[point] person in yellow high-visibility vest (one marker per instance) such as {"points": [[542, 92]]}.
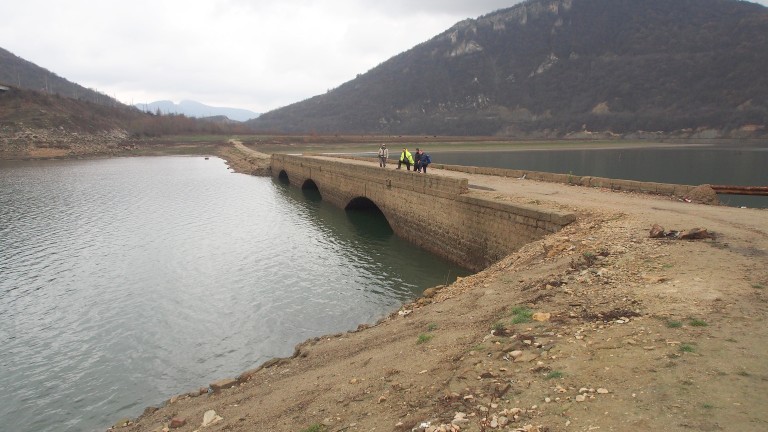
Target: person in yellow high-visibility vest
{"points": [[405, 158]]}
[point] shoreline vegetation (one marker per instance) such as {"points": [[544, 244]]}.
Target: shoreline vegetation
{"points": [[596, 326]]}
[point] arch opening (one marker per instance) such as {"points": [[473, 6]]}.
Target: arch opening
{"points": [[363, 204], [283, 177], [368, 217], [310, 190]]}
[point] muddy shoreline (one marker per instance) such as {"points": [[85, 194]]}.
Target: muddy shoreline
{"points": [[597, 326]]}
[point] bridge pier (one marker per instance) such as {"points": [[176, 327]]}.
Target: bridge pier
{"points": [[439, 214]]}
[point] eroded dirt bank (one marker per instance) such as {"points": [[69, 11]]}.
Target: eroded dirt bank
{"points": [[245, 160], [595, 328]]}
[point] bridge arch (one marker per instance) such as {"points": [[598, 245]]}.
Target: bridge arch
{"points": [[465, 227], [364, 205], [311, 191], [283, 177], [309, 184]]}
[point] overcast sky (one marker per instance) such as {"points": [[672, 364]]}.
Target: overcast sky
{"points": [[252, 54]]}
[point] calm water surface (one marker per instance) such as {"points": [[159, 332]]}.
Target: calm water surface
{"points": [[125, 281]]}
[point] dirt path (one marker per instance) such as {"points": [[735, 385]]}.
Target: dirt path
{"points": [[595, 328], [244, 159]]}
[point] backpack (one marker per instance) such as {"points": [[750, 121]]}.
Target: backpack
{"points": [[425, 159]]}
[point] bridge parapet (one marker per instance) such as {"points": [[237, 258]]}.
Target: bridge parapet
{"points": [[437, 213]]}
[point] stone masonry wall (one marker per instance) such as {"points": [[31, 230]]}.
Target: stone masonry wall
{"points": [[667, 189], [436, 213]]}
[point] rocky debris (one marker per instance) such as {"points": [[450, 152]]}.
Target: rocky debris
{"points": [[27, 142], [123, 422], [222, 384], [609, 311], [694, 234], [657, 231], [210, 417], [703, 194], [177, 422]]}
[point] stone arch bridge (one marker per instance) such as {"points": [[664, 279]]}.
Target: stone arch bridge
{"points": [[437, 213]]}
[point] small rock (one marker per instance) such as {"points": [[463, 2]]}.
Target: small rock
{"points": [[353, 381], [657, 231], [226, 383], [177, 422], [541, 316], [430, 292], [694, 234], [382, 399], [526, 357], [210, 417], [655, 279], [602, 391], [124, 422], [581, 398]]}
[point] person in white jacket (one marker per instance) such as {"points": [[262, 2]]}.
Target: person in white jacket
{"points": [[383, 155]]}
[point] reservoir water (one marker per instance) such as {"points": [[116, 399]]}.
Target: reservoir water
{"points": [[742, 164], [126, 281]]}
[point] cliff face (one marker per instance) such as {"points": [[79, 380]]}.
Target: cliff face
{"points": [[556, 67]]}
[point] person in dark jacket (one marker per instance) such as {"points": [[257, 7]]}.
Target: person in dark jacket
{"points": [[424, 162], [416, 159]]}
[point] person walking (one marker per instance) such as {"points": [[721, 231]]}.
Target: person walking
{"points": [[416, 159], [383, 156], [405, 158], [424, 162]]}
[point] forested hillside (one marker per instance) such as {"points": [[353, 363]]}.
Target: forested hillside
{"points": [[560, 67]]}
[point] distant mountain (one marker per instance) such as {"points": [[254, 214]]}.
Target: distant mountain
{"points": [[197, 109], [563, 67], [22, 74]]}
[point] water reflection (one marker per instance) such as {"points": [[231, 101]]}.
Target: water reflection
{"points": [[125, 281]]}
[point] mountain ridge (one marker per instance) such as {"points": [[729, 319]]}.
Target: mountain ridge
{"points": [[23, 74], [560, 67], [192, 108]]}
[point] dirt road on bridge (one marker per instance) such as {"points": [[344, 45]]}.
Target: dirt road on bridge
{"points": [[596, 328]]}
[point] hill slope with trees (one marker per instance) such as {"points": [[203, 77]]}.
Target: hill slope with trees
{"points": [[22, 74], [563, 67]]}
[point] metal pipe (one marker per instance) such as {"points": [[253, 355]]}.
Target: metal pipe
{"points": [[741, 190]]}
